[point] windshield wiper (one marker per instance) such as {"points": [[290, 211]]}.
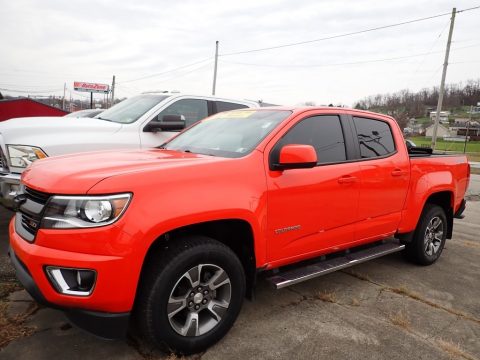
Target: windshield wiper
{"points": [[100, 118]]}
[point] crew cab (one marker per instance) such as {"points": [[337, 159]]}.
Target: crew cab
{"points": [[173, 238], [141, 121]]}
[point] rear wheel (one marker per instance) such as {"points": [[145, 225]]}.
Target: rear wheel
{"points": [[430, 236], [191, 295]]}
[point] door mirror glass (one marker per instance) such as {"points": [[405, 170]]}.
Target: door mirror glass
{"points": [[296, 157]]}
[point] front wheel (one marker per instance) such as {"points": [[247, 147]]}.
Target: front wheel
{"points": [[191, 295], [429, 237]]}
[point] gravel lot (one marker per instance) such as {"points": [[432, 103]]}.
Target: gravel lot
{"points": [[384, 309]]}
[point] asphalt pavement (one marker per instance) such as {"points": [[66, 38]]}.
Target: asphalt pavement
{"points": [[383, 309]]}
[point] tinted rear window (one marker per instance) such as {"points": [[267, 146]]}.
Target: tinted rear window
{"points": [[375, 137]]}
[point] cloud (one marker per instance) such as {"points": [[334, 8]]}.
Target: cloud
{"points": [[45, 44]]}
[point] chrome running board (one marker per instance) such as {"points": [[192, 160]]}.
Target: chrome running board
{"points": [[322, 267]]}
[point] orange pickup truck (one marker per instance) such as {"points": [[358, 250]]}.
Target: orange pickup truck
{"points": [[173, 238]]}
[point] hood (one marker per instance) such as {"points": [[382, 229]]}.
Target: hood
{"points": [[76, 174], [38, 131]]}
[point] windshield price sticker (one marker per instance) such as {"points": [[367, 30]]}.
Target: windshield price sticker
{"points": [[237, 114]]}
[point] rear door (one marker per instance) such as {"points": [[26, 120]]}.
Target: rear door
{"points": [[385, 171], [310, 210]]}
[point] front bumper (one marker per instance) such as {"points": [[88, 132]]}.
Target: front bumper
{"points": [[102, 324], [9, 185], [110, 251]]}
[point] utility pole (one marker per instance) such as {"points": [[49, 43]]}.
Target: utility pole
{"points": [[63, 101], [468, 128], [113, 91], [442, 83], [215, 68]]}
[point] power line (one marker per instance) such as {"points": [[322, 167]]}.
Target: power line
{"points": [[345, 63], [430, 51], [32, 91], [346, 34], [188, 72], [166, 72], [463, 62], [122, 84]]}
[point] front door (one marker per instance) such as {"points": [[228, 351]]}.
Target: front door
{"points": [[192, 110], [311, 210]]}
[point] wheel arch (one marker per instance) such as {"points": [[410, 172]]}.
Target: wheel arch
{"points": [[445, 200], [442, 198], [237, 234]]}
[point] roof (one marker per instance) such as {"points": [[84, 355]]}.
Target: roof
{"points": [[439, 125], [212, 97], [301, 109], [30, 99]]}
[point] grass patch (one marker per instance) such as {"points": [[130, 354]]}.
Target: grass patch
{"points": [[12, 329], [325, 296], [442, 145], [469, 243], [403, 290], [8, 287], [400, 319], [454, 349], [174, 357]]}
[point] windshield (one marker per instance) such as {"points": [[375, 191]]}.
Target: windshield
{"points": [[130, 110], [229, 134]]}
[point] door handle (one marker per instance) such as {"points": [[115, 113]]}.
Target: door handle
{"points": [[398, 172], [347, 179]]}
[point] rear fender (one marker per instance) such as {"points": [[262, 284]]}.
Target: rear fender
{"points": [[426, 189]]}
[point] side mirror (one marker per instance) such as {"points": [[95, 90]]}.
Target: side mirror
{"points": [[296, 157], [166, 123]]}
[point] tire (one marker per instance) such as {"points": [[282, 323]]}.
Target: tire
{"points": [[429, 237], [209, 276]]}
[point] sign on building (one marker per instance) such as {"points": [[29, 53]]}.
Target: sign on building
{"points": [[91, 87]]}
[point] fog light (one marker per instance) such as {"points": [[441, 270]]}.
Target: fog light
{"points": [[78, 282]]}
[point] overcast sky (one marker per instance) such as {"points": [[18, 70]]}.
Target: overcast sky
{"points": [[49, 42]]}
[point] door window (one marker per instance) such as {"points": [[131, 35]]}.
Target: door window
{"points": [[375, 137], [192, 109], [324, 133]]}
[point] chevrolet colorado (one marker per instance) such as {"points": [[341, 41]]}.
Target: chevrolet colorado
{"points": [[172, 239]]}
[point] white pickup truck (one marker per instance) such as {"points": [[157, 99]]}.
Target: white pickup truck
{"points": [[141, 121]]}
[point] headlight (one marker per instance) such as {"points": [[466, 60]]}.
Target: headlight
{"points": [[22, 155], [66, 212]]}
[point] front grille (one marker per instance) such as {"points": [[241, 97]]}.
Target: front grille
{"points": [[29, 214], [3, 161], [30, 223], [37, 196]]}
